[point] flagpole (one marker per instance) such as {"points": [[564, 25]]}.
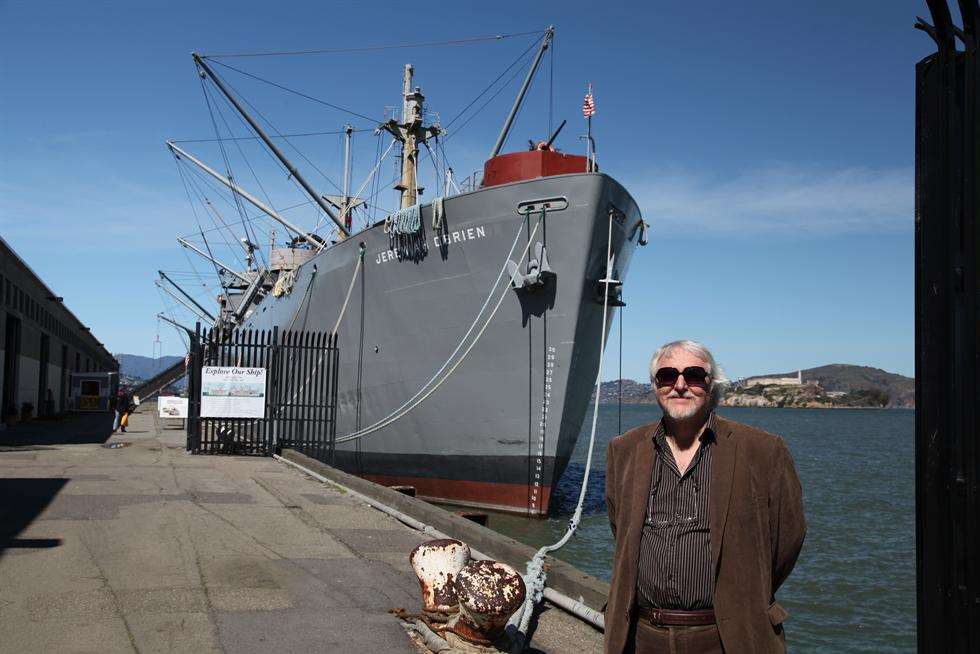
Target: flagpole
{"points": [[589, 132], [588, 108], [589, 119]]}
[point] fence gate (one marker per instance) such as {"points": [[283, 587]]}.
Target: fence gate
{"points": [[296, 407]]}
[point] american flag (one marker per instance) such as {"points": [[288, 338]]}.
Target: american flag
{"points": [[588, 105]]}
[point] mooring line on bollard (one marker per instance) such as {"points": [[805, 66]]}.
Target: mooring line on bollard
{"points": [[536, 575], [559, 599]]}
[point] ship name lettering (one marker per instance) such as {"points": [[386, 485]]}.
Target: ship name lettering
{"points": [[455, 236], [459, 235]]}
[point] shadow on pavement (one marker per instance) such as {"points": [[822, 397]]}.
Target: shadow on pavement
{"points": [[24, 499], [75, 429]]}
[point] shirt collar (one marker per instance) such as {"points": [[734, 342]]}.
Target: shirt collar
{"points": [[709, 435]]}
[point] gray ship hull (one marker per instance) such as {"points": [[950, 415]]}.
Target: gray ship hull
{"points": [[498, 433]]}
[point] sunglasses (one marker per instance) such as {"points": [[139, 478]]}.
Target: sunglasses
{"points": [[693, 375]]}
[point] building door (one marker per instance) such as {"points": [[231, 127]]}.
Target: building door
{"points": [[42, 378], [11, 347], [63, 393]]}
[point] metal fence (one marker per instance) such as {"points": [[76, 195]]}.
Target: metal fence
{"points": [[300, 394]]}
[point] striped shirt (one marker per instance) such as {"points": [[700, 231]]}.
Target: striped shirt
{"points": [[675, 550]]}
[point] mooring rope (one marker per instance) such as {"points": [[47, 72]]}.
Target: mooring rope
{"points": [[424, 392], [350, 287], [536, 575], [343, 311]]}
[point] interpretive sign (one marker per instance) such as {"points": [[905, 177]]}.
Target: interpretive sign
{"points": [[232, 392], [172, 407]]}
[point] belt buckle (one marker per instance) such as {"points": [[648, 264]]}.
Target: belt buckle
{"points": [[655, 615]]}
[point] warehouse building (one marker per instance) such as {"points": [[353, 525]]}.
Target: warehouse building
{"points": [[43, 342]]}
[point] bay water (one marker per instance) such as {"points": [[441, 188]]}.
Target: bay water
{"points": [[853, 588]]}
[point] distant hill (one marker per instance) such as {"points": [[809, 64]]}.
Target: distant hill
{"points": [[139, 367], [633, 392], [860, 386], [845, 378]]}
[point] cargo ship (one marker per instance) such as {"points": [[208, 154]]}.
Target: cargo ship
{"points": [[469, 326]]}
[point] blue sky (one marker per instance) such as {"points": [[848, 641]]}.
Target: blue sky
{"points": [[770, 145]]}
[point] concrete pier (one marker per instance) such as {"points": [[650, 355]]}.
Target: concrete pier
{"points": [[146, 548]]}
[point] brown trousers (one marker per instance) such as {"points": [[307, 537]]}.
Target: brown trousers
{"points": [[676, 640]]}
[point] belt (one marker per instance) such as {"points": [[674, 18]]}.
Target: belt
{"points": [[669, 618]]}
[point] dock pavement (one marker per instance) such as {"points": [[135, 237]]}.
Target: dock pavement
{"points": [[127, 543]]}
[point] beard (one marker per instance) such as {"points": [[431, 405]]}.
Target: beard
{"points": [[681, 412]]}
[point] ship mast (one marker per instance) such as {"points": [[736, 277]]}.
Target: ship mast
{"points": [[411, 132], [345, 204]]}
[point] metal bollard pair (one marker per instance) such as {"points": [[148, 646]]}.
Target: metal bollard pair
{"points": [[469, 598]]}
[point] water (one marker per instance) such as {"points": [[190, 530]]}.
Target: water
{"points": [[853, 588]]}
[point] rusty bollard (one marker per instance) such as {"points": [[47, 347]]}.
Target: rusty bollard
{"points": [[436, 564], [489, 592]]}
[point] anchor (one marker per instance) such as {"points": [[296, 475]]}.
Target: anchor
{"points": [[538, 271]]}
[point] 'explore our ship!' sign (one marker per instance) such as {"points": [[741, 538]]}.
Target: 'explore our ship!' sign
{"points": [[232, 392]]}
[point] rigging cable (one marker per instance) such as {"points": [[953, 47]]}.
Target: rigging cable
{"points": [[248, 163], [258, 215], [280, 134], [256, 138], [295, 92], [196, 277], [274, 159], [212, 213], [489, 100], [370, 48], [551, 88], [369, 208], [224, 153], [366, 180], [220, 192], [169, 310], [183, 179], [490, 85]]}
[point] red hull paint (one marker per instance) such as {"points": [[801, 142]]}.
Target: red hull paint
{"points": [[512, 498]]}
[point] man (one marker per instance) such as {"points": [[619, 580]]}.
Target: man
{"points": [[707, 515]]}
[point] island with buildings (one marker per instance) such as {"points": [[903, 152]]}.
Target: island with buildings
{"points": [[826, 387]]}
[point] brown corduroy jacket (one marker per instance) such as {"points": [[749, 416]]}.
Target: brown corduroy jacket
{"points": [[756, 526]]}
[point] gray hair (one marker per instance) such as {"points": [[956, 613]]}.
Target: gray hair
{"points": [[718, 379]]}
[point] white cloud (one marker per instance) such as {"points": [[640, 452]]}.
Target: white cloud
{"points": [[783, 200]]}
